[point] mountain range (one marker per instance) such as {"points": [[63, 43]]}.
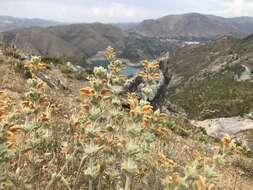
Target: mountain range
{"points": [[195, 26], [11, 23], [135, 41], [76, 41]]}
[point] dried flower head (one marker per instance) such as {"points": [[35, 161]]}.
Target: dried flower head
{"points": [[200, 182], [146, 109], [132, 100], [87, 91], [12, 135], [226, 140], [165, 161], [110, 53]]}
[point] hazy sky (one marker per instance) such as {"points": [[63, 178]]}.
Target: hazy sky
{"points": [[120, 10]]}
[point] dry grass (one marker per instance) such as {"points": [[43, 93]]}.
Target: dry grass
{"points": [[55, 154]]}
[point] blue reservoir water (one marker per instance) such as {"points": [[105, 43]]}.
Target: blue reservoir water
{"points": [[128, 70]]}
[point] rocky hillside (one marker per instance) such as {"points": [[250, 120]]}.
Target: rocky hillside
{"points": [[195, 26], [76, 41], [213, 80], [11, 23], [135, 41], [80, 41], [64, 132]]}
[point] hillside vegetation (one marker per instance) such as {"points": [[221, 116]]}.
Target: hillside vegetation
{"points": [[213, 80], [99, 138]]}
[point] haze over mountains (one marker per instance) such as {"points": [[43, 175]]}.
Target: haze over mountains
{"points": [[135, 41], [11, 23]]}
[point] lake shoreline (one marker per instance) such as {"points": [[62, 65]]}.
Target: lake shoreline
{"points": [[124, 61], [129, 68]]}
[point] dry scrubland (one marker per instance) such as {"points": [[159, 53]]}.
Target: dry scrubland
{"points": [[103, 139]]}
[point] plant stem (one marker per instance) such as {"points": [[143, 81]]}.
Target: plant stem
{"points": [[51, 182], [90, 179], [79, 171], [65, 182], [99, 183], [128, 183], [90, 184]]}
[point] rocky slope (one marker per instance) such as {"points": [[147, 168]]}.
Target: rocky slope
{"points": [[213, 80], [182, 140], [239, 128]]}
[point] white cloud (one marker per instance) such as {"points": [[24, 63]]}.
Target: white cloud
{"points": [[239, 8], [117, 12], [120, 10], [114, 10], [75, 12]]}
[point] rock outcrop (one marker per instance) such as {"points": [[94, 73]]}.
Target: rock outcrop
{"points": [[239, 128], [159, 90]]}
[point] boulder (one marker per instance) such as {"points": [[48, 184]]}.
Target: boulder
{"points": [[240, 128]]}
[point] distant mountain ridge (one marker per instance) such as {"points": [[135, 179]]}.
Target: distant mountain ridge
{"points": [[135, 41], [11, 23], [75, 41], [195, 25]]}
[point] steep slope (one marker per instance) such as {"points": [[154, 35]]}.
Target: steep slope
{"points": [[57, 131], [90, 38], [213, 80], [194, 25], [76, 42], [11, 23], [41, 42], [244, 23], [80, 41]]}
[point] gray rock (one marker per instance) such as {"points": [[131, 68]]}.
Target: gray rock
{"points": [[236, 127], [158, 93], [52, 82]]}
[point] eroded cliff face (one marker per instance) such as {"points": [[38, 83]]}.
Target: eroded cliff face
{"points": [[158, 95]]}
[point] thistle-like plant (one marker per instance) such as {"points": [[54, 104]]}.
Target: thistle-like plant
{"points": [[103, 146]]}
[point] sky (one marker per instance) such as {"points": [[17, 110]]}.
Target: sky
{"points": [[120, 10]]}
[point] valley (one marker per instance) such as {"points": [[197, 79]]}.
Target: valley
{"points": [[78, 42]]}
